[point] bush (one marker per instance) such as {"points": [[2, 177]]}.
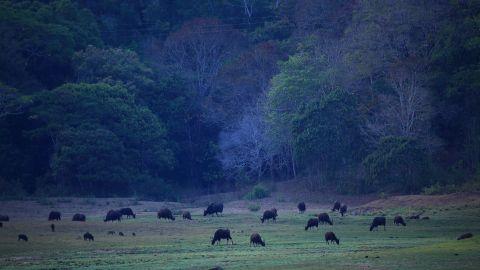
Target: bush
{"points": [[254, 207], [437, 189], [258, 192]]}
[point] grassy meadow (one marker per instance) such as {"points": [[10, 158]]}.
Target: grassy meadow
{"points": [[160, 244]]}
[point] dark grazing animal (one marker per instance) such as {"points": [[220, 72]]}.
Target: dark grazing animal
{"points": [[54, 215], [399, 220], [88, 236], [324, 218], [465, 236], [274, 210], [22, 237], [127, 212], [330, 237], [255, 239], [165, 213], [425, 218], [1, 224], [417, 216], [187, 215], [113, 215], [133, 234], [111, 232], [301, 207], [378, 221], [221, 234], [269, 214], [213, 208], [336, 206], [313, 222], [343, 209], [4, 218], [79, 217], [121, 234], [52, 227]]}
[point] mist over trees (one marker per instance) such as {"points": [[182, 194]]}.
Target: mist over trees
{"points": [[154, 98]]}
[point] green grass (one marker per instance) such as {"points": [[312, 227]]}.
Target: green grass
{"points": [[423, 244]]}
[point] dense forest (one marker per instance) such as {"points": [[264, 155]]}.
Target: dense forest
{"points": [[151, 98]]}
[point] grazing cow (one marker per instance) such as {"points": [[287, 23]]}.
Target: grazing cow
{"points": [[255, 239], [336, 206], [1, 224], [79, 217], [133, 234], [301, 207], [213, 208], [88, 236], [127, 212], [378, 221], [113, 215], [54, 215], [465, 236], [324, 218], [330, 237], [343, 209], [187, 215], [313, 222], [165, 213], [269, 214], [4, 218], [52, 227], [399, 220], [111, 232], [121, 234], [22, 237], [221, 234]]}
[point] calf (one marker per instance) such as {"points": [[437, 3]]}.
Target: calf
{"points": [[343, 209], [269, 214], [378, 221], [324, 218], [313, 222], [330, 237], [221, 234], [54, 215], [465, 236], [301, 207], [111, 232], [88, 236], [187, 215], [165, 213], [255, 239], [399, 220], [22, 237]]}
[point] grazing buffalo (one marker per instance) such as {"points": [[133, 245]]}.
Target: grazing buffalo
{"points": [[165, 213], [111, 232], [313, 222], [378, 221], [79, 217], [255, 239], [336, 206], [465, 236], [127, 212], [54, 215], [186, 215], [343, 210], [221, 234], [133, 234], [301, 207], [324, 218], [22, 237], [269, 214], [274, 210], [330, 237], [425, 218], [121, 234], [113, 215], [88, 236], [417, 216], [399, 220], [4, 218], [1, 224], [213, 208], [52, 227]]}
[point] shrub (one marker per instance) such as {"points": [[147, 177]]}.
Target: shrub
{"points": [[258, 192], [254, 207]]}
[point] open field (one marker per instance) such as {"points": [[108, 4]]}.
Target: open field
{"points": [[160, 244]]}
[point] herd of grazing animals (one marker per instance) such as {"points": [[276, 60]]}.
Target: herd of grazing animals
{"points": [[216, 208]]}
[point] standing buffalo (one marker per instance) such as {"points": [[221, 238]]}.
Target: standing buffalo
{"points": [[4, 218], [186, 215], [165, 213], [269, 214], [255, 239], [22, 237], [301, 207], [54, 215], [221, 234], [378, 221], [313, 222], [88, 236], [79, 217], [113, 215], [336, 206], [324, 218], [399, 220], [213, 208], [330, 237], [343, 209], [127, 212]]}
